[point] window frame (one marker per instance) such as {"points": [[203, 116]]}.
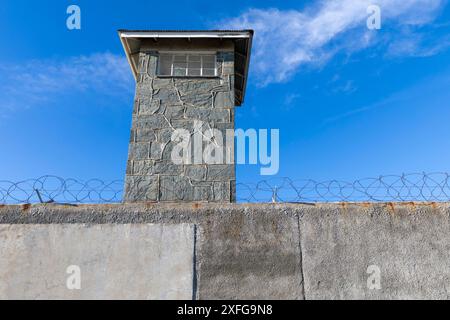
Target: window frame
{"points": [[187, 54]]}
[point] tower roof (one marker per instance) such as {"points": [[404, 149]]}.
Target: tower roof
{"points": [[131, 41]]}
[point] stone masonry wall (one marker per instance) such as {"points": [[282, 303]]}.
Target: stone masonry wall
{"points": [[163, 104]]}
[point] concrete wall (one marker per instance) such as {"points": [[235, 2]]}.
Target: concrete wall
{"points": [[113, 261], [199, 105], [266, 251]]}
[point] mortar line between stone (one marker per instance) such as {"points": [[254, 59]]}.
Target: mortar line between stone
{"points": [[194, 266], [301, 258]]}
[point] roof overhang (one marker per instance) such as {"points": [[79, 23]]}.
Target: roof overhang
{"points": [[131, 40]]}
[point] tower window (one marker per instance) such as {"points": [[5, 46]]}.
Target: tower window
{"points": [[187, 65]]}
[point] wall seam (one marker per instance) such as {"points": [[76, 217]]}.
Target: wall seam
{"points": [[194, 265], [302, 281]]}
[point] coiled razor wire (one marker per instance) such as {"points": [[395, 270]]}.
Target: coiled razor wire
{"points": [[48, 189], [430, 187]]}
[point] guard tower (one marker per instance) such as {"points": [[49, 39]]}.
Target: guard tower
{"points": [[182, 133]]}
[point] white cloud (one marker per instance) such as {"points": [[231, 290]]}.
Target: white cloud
{"points": [[415, 45], [42, 81], [286, 40], [423, 94], [348, 87]]}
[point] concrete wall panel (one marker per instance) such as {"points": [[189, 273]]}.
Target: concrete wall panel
{"points": [[408, 245], [249, 256], [122, 261]]}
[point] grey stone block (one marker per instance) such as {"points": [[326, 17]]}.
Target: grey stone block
{"points": [[162, 83], [141, 188], [167, 152], [138, 151], [224, 100], [211, 115], [219, 115], [220, 172], [198, 85], [223, 126], [150, 106], [222, 191], [164, 135], [187, 124], [155, 121], [145, 135], [156, 150], [174, 112], [198, 99], [198, 113], [203, 193], [142, 167], [176, 188], [196, 172], [165, 167], [168, 97]]}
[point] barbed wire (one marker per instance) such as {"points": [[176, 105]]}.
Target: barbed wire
{"points": [[48, 189], [431, 187]]}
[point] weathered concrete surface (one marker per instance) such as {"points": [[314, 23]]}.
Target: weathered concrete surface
{"points": [[410, 245], [266, 250], [250, 256], [139, 261]]}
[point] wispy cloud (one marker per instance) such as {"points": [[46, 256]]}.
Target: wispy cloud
{"points": [[37, 82], [290, 98], [421, 93], [417, 45], [347, 88], [287, 40]]}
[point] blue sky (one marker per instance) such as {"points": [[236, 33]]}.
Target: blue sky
{"points": [[349, 102]]}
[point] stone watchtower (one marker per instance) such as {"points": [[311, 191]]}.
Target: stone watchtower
{"points": [[182, 140]]}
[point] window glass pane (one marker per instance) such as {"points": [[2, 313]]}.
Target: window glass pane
{"points": [[187, 64], [194, 72], [179, 65], [209, 65], [209, 72], [165, 63], [195, 65], [179, 71], [209, 58]]}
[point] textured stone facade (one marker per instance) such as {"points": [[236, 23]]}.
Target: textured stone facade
{"points": [[164, 104]]}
